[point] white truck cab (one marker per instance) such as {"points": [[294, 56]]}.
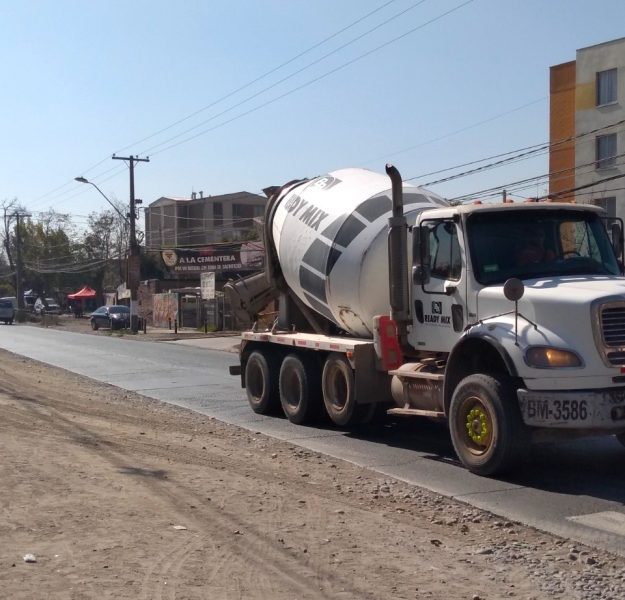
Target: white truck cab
{"points": [[556, 335]]}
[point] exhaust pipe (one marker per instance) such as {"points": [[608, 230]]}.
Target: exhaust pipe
{"points": [[397, 257]]}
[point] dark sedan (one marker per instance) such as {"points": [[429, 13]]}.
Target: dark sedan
{"points": [[113, 317]]}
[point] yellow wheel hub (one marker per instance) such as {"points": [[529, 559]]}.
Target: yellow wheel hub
{"points": [[478, 426]]}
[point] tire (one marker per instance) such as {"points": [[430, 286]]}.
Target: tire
{"points": [[300, 395], [339, 399], [94, 326], [621, 438], [486, 426], [261, 383]]}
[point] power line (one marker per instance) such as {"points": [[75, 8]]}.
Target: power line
{"points": [[229, 94], [457, 131], [497, 189], [270, 72], [309, 82], [287, 77], [567, 193], [524, 152], [306, 84]]}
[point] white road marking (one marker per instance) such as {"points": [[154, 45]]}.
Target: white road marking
{"points": [[610, 521]]}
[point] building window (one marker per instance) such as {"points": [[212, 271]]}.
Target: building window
{"points": [[606, 151], [606, 87], [218, 214], [445, 252], [242, 215], [608, 204]]}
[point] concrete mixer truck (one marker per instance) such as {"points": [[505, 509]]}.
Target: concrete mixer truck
{"points": [[506, 321]]}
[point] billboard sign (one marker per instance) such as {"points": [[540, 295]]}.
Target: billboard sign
{"points": [[247, 256]]}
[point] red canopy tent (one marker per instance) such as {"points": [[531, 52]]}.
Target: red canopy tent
{"points": [[86, 292], [78, 299]]}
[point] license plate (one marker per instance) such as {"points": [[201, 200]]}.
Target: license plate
{"points": [[556, 411]]}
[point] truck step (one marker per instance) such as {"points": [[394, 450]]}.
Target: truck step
{"points": [[417, 375], [416, 412]]}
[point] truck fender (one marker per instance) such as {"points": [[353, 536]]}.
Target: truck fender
{"points": [[476, 352]]}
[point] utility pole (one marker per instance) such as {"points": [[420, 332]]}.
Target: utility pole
{"points": [[134, 258], [18, 263]]}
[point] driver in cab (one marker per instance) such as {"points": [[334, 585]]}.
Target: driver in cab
{"points": [[532, 248]]}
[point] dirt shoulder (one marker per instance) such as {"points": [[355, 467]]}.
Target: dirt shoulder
{"points": [[118, 496]]}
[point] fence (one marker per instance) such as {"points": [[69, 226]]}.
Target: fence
{"points": [[218, 313], [191, 311]]}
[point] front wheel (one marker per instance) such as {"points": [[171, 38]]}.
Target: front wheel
{"points": [[486, 426], [299, 389]]}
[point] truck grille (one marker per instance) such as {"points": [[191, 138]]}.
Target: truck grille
{"points": [[616, 358], [613, 326], [609, 330]]}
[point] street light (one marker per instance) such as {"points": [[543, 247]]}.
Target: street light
{"points": [[132, 258], [84, 180]]}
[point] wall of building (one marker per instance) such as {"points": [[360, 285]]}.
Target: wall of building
{"points": [[562, 127], [589, 116], [200, 221]]}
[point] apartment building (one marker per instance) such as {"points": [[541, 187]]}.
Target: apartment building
{"points": [[201, 220], [587, 127]]}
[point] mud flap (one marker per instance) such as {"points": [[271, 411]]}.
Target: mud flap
{"points": [[372, 385]]}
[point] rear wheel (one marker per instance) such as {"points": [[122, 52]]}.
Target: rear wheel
{"points": [[486, 426], [337, 383], [94, 325], [261, 383], [299, 389]]}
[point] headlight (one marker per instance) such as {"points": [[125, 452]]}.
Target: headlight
{"points": [[544, 357]]}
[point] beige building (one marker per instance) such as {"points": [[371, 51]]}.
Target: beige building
{"points": [[587, 127], [199, 220]]}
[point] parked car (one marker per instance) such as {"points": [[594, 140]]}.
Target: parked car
{"points": [[113, 317], [7, 311], [50, 306]]}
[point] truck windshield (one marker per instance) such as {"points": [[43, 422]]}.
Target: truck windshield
{"points": [[543, 243]]}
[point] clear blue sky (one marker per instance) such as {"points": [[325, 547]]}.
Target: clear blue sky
{"points": [[82, 80]]}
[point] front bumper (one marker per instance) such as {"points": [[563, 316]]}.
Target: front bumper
{"points": [[602, 409]]}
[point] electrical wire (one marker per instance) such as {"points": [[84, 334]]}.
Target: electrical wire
{"points": [[273, 70], [499, 188], [76, 268], [286, 78], [307, 83], [456, 132], [229, 94], [521, 154]]}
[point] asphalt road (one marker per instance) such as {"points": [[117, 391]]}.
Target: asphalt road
{"points": [[576, 490]]}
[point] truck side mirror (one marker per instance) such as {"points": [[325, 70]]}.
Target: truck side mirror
{"points": [[420, 274], [617, 240], [421, 254], [424, 245]]}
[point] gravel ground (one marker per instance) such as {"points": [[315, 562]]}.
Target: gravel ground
{"points": [[118, 496]]}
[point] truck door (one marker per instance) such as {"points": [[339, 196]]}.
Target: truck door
{"points": [[438, 285]]}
